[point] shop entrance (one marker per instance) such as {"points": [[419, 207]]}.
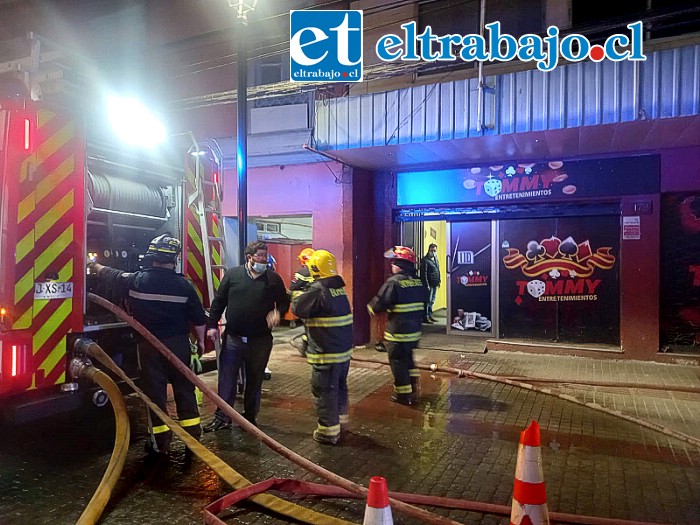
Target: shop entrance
{"points": [[544, 279], [470, 284], [550, 279]]}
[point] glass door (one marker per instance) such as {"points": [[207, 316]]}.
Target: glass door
{"points": [[470, 278]]}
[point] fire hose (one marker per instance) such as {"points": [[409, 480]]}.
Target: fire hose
{"points": [[227, 473], [335, 479], [98, 502], [254, 492], [459, 372]]}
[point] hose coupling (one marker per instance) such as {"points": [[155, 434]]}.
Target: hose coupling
{"points": [[78, 366], [81, 345], [80, 361]]}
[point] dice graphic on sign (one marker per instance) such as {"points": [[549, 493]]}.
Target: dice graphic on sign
{"points": [[535, 288], [493, 187]]}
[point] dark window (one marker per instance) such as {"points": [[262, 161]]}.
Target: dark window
{"points": [[449, 16], [516, 18], [598, 19], [270, 72]]}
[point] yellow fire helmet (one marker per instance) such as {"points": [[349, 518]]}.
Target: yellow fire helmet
{"points": [[322, 264]]}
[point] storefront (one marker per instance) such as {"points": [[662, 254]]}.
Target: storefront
{"points": [[540, 252]]}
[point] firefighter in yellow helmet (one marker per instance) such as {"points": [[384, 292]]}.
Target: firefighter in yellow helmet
{"points": [[401, 296], [326, 310]]}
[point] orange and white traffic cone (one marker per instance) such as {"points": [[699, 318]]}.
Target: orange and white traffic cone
{"points": [[529, 495], [377, 510]]}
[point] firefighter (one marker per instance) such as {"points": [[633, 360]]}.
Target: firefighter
{"points": [[165, 303], [300, 282], [326, 310], [401, 296], [302, 278]]}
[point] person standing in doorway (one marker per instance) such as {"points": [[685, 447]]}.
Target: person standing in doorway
{"points": [[402, 297], [165, 303], [430, 276], [325, 308], [255, 299]]}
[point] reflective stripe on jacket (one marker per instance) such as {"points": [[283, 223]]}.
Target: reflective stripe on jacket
{"points": [[325, 308], [401, 296]]}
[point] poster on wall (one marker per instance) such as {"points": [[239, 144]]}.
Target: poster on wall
{"points": [[470, 277], [510, 183], [680, 273], [558, 279]]}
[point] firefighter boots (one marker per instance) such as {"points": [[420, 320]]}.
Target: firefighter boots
{"points": [[326, 440], [217, 424], [403, 399]]}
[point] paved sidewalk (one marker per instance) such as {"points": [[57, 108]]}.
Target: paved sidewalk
{"points": [[460, 441]]}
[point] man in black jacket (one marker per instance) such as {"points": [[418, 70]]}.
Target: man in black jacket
{"points": [[430, 276], [165, 303], [325, 308], [254, 298], [402, 297]]}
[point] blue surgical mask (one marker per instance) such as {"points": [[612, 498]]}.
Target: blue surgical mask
{"points": [[259, 267]]}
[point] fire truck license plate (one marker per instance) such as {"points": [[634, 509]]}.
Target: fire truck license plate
{"points": [[53, 290]]}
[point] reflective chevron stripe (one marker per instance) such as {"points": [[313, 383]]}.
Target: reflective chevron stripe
{"points": [[50, 222]]}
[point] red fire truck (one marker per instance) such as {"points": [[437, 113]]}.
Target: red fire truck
{"points": [[65, 196]]}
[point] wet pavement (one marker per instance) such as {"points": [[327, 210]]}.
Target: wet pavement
{"points": [[460, 441]]}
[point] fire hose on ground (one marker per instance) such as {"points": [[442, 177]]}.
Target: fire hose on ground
{"points": [[354, 488], [222, 469], [84, 370], [459, 372], [344, 488]]}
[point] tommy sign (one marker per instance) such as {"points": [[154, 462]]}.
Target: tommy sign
{"points": [[326, 46]]}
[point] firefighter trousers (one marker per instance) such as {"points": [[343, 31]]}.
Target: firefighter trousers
{"points": [[402, 365], [329, 385], [157, 373]]}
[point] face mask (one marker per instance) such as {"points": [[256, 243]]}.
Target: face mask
{"points": [[259, 267]]}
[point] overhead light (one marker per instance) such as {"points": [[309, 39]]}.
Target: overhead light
{"points": [[242, 7], [134, 123]]}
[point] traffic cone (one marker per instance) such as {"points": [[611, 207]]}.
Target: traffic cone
{"points": [[377, 510], [529, 495]]}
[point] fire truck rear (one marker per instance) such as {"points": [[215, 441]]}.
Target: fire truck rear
{"points": [[68, 196]]}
